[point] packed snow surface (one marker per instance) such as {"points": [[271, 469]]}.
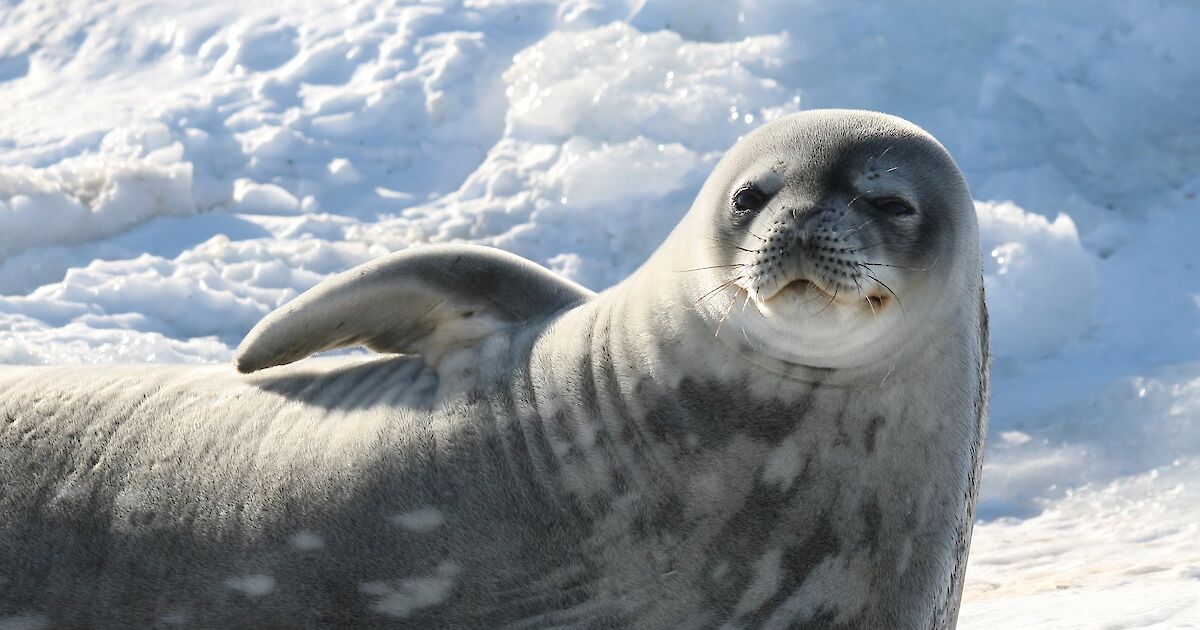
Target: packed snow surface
{"points": [[171, 172]]}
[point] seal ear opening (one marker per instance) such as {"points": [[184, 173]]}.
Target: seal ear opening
{"points": [[426, 300]]}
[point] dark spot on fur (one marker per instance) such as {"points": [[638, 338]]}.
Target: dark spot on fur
{"points": [[743, 538], [661, 519], [872, 433], [798, 562], [872, 521], [843, 438], [716, 412]]}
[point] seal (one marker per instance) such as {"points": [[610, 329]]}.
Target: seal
{"points": [[776, 421]]}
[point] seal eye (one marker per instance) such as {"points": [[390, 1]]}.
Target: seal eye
{"points": [[748, 199], [892, 206]]}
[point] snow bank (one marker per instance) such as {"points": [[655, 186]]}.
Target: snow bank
{"points": [[30, 341], [1130, 426], [1040, 282], [90, 197]]}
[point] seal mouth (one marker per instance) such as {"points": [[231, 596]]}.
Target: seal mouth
{"points": [[812, 291], [804, 286]]}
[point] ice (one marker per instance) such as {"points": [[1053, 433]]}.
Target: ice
{"points": [[170, 172]]}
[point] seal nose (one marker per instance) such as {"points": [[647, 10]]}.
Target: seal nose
{"points": [[799, 229], [806, 218]]}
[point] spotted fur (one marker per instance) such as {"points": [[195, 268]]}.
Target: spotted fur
{"points": [[649, 457]]}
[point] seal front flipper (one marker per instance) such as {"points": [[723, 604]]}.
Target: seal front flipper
{"points": [[425, 300]]}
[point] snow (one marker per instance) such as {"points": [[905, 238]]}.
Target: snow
{"points": [[1039, 279], [169, 173]]}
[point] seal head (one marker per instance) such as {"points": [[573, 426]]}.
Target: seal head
{"points": [[829, 239]]}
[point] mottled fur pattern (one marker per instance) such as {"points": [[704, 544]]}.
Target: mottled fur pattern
{"points": [[618, 461]]}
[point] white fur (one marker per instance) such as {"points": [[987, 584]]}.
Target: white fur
{"points": [[422, 520], [400, 598], [256, 585]]}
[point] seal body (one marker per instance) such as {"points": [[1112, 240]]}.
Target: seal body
{"points": [[659, 455]]}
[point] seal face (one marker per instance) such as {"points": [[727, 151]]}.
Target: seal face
{"points": [[842, 233], [777, 421]]}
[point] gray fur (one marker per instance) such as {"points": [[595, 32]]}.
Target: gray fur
{"points": [[638, 459]]}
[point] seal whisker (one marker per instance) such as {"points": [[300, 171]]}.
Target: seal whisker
{"points": [[729, 310], [820, 295], [727, 243], [832, 299], [742, 322], [855, 229], [741, 249], [717, 290], [780, 209], [712, 267], [777, 210], [872, 159], [869, 302], [862, 249], [875, 264], [871, 275], [751, 233]]}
